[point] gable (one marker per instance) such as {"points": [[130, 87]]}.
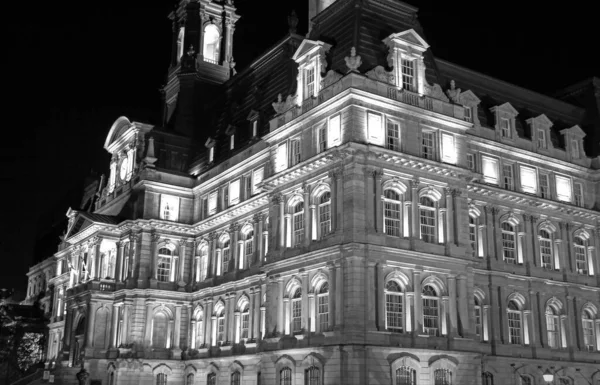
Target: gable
{"points": [[575, 131], [507, 108], [408, 37], [79, 225], [541, 120], [308, 47]]}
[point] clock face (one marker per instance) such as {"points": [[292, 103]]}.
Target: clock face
{"points": [[123, 169]]}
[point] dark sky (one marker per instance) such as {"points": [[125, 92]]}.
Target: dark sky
{"points": [[73, 68]]}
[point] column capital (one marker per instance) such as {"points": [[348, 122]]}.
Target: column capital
{"points": [[277, 198], [491, 209], [95, 241], [154, 238], [414, 183]]}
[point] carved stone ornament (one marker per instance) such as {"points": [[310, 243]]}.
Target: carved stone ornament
{"points": [[293, 21], [453, 92], [435, 91], [379, 73], [330, 78], [353, 61], [279, 105]]}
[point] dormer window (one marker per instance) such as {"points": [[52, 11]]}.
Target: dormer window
{"points": [[542, 139], [211, 155], [231, 142], [505, 115], [212, 40], [575, 149], [468, 114], [169, 207], [310, 57], [254, 128], [309, 82], [408, 74], [573, 142], [505, 127]]}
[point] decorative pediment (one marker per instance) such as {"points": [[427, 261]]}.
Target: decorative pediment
{"points": [[230, 130], [575, 131], [408, 38], [308, 48], [506, 108], [253, 115], [210, 142], [540, 121], [468, 98], [118, 129]]}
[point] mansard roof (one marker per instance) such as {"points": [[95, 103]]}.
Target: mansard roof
{"points": [[82, 220]]}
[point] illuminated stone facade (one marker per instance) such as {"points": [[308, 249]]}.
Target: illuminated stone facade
{"points": [[393, 219]]}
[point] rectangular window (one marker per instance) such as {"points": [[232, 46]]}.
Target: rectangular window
{"points": [[169, 207], [408, 75], [473, 233], [375, 129], [478, 320], [544, 186], [471, 161], [393, 311], [431, 316], [428, 145], [508, 243], [392, 217], [309, 82], [225, 195], [428, 224], [212, 203], [204, 207], [220, 328], [505, 128], [528, 179], [563, 188], [298, 228], [234, 192], [254, 128], [281, 158], [323, 308], [245, 325], [541, 139], [231, 142], [322, 139], [469, 114], [507, 177], [490, 169], [588, 332], [296, 315], [580, 257], [578, 194], [552, 330], [295, 155], [448, 148], [393, 136], [546, 252], [514, 327], [247, 186], [335, 131], [574, 149], [257, 178]]}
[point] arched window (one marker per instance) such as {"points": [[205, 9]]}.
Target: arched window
{"points": [[212, 40], [161, 379], [545, 249], [526, 380], [406, 376], [298, 220], [323, 307], [427, 216], [211, 379], [473, 233], [509, 239], [189, 379], [220, 313], [244, 321], [487, 378], [478, 317], [223, 255], [165, 265], [160, 330], [392, 213], [587, 324], [198, 328], [201, 268], [552, 327], [431, 311], [580, 255], [325, 214], [248, 247], [312, 376], [442, 377], [235, 378], [515, 326], [285, 376], [394, 301], [297, 311]]}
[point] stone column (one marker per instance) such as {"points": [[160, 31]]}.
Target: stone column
{"points": [[154, 250], [119, 265], [308, 218], [489, 226], [378, 210], [450, 193], [97, 241], [463, 308], [258, 236], [212, 255], [332, 295], [236, 327], [89, 335], [252, 314], [380, 297], [574, 328], [418, 313], [569, 255], [287, 317], [280, 306], [305, 308], [177, 331], [207, 320], [311, 312], [125, 331], [534, 338], [535, 242], [214, 330], [257, 313], [497, 235], [453, 329], [114, 326], [281, 201], [148, 326], [339, 200], [314, 224], [445, 330], [182, 258], [415, 231], [194, 327], [234, 263], [339, 297], [228, 317]]}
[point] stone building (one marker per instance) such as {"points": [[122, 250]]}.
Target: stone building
{"points": [[348, 209]]}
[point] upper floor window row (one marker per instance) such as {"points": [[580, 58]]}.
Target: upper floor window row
{"points": [[232, 193], [528, 179]]}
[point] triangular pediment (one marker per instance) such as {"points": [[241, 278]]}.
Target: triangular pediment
{"points": [[409, 37], [253, 115], [575, 131], [541, 120], [309, 47], [507, 108], [79, 224], [469, 98]]}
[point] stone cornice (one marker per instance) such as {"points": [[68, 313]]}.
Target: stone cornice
{"points": [[532, 279]]}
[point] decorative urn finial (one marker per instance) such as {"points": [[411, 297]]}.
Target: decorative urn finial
{"points": [[293, 21], [353, 61]]}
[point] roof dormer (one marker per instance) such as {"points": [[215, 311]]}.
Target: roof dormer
{"points": [[210, 144], [471, 103], [540, 132], [505, 126], [574, 142], [310, 57], [406, 57]]}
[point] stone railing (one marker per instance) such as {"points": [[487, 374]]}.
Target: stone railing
{"points": [[361, 82]]}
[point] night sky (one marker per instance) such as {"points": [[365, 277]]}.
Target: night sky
{"points": [[73, 68]]}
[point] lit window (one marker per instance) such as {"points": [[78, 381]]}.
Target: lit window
{"points": [[225, 254], [392, 136], [298, 218], [508, 243], [169, 207], [442, 377], [507, 176], [323, 307], [295, 155], [254, 128], [514, 323], [408, 74], [309, 82], [212, 203], [544, 186], [163, 271], [427, 219], [325, 213], [563, 188], [552, 327], [393, 307], [427, 145], [505, 128], [431, 311], [297, 311], [490, 169], [322, 139], [580, 255], [392, 210], [545, 249], [528, 179], [448, 148], [234, 192], [542, 139], [281, 158], [469, 114], [212, 39], [248, 239], [374, 128], [257, 178], [285, 376], [232, 142], [180, 42], [578, 194], [406, 376], [211, 154], [589, 338], [334, 134]]}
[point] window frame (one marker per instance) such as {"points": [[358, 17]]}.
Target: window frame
{"points": [[408, 73], [505, 248], [515, 333], [432, 214], [324, 214], [435, 329], [428, 151], [392, 142], [399, 316], [389, 208]]}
